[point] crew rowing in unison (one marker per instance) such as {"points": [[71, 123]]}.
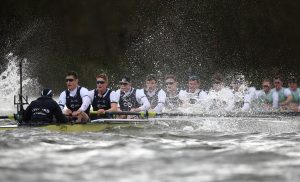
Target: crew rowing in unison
{"points": [[76, 101]]}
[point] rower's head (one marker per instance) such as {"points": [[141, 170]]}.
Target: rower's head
{"points": [[72, 80], [217, 81], [193, 83], [277, 82], [101, 82], [47, 92], [171, 83], [293, 83], [238, 82], [125, 84], [151, 83], [266, 85]]}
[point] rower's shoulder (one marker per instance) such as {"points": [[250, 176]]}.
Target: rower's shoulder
{"points": [[139, 91], [161, 91]]}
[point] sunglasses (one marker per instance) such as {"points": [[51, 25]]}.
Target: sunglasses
{"points": [[266, 86], [169, 83], [277, 82], [100, 82], [125, 84], [69, 80]]}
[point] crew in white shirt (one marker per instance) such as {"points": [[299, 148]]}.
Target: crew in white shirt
{"points": [[104, 100], [131, 99], [75, 98], [193, 94], [281, 96], [156, 96]]}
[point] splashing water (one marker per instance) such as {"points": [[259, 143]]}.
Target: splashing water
{"points": [[10, 82]]}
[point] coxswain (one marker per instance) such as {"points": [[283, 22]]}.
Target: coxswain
{"points": [[104, 99], [75, 98], [156, 96], [43, 110]]}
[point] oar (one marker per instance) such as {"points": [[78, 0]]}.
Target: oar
{"points": [[228, 114], [142, 113]]}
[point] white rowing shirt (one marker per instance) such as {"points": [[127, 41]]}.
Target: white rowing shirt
{"points": [[161, 99], [140, 98], [113, 96], [278, 96], [84, 93], [192, 98], [250, 95]]}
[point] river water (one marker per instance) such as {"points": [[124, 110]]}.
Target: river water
{"points": [[180, 149], [188, 149]]}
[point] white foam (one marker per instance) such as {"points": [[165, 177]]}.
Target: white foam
{"points": [[10, 82]]}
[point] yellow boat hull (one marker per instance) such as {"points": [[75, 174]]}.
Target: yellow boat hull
{"points": [[88, 127]]}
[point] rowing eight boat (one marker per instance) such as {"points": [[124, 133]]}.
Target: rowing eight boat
{"points": [[103, 124], [94, 126]]}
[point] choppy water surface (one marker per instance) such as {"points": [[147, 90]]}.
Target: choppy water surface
{"points": [[195, 149]]}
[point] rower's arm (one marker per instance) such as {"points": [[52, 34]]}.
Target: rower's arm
{"points": [[275, 100], [161, 101], [247, 101], [86, 100], [62, 100], [141, 97], [113, 102], [289, 97]]}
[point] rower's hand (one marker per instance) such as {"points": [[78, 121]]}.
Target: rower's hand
{"points": [[67, 112], [76, 113], [100, 111], [135, 109]]}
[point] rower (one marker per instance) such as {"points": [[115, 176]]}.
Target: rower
{"points": [[217, 82], [75, 98], [281, 96], [131, 99], [264, 97], [104, 100], [156, 96], [172, 93], [193, 94], [293, 87], [220, 98], [44, 110], [243, 94]]}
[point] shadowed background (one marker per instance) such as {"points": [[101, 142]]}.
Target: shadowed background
{"points": [[257, 38]]}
